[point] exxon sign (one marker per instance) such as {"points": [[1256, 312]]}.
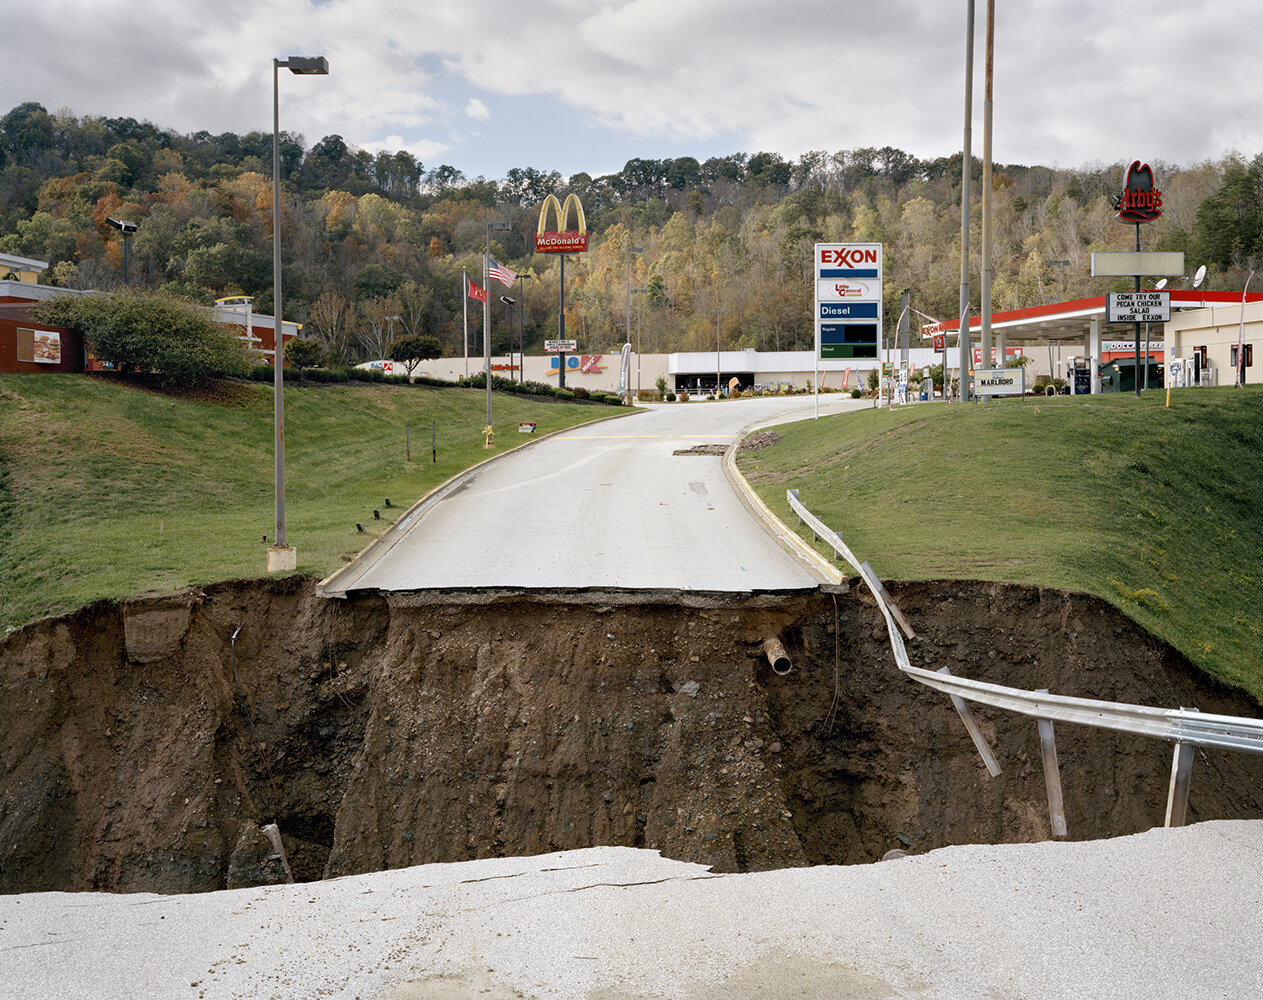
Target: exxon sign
{"points": [[848, 257]]}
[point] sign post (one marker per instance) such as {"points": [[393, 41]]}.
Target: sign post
{"points": [[562, 240], [1140, 201], [848, 298]]}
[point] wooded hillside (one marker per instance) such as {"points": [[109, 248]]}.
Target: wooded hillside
{"points": [[726, 242]]}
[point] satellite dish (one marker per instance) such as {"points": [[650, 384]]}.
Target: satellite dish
{"points": [[1199, 276], [1161, 284]]}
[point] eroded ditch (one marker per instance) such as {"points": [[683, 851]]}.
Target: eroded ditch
{"points": [[143, 748]]}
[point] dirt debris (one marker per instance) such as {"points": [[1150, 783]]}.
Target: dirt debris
{"points": [[144, 748]]}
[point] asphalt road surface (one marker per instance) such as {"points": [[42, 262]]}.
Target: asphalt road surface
{"points": [[606, 505]]}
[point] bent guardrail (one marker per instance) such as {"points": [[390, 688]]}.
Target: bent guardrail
{"points": [[1185, 727]]}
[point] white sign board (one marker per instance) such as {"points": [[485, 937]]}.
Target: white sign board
{"points": [[999, 381], [1138, 307], [561, 346]]}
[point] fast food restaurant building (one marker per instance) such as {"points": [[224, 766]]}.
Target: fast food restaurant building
{"points": [[30, 346]]}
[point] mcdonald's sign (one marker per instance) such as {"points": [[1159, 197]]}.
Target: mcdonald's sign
{"points": [[563, 239]]}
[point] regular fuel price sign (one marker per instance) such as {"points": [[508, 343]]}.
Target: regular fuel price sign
{"points": [[848, 300]]}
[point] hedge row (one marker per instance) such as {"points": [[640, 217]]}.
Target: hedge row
{"points": [[263, 373]]}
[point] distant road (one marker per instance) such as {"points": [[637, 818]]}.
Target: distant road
{"points": [[606, 505]]}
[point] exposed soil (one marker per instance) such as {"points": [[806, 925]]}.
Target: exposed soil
{"points": [[142, 751]]}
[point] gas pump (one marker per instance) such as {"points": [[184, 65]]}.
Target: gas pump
{"points": [[1079, 376]]}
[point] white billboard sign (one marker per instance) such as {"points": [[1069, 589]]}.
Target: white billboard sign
{"points": [[1138, 307]]}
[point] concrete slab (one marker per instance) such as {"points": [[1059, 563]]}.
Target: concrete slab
{"points": [[1168, 913]]}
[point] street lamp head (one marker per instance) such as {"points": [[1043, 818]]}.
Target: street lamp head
{"points": [[498, 225], [508, 301], [122, 225], [306, 65]]}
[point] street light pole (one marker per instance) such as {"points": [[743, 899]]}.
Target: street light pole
{"points": [[718, 311], [521, 329], [631, 250], [640, 304], [281, 557]]}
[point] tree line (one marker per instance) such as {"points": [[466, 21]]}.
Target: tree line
{"points": [[376, 247]]}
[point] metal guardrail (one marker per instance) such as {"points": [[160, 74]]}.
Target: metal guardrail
{"points": [[1184, 727]]}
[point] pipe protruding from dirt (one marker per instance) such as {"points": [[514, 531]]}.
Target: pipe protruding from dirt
{"points": [[777, 657]]}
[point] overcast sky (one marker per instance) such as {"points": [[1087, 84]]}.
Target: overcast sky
{"points": [[574, 86]]}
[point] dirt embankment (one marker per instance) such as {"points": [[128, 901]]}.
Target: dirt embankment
{"points": [[143, 747]]}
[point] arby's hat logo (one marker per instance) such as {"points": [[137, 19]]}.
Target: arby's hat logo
{"points": [[1140, 201]]}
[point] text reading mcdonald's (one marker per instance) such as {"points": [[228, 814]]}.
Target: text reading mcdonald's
{"points": [[563, 239]]}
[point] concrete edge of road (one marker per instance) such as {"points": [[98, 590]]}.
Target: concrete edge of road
{"points": [[337, 583], [799, 550]]}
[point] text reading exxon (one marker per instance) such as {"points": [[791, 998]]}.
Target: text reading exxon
{"points": [[847, 256]]}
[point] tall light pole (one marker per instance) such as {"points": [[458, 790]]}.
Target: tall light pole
{"points": [[966, 175], [640, 302], [630, 251], [486, 310], [126, 228], [521, 329], [718, 312], [509, 301], [281, 557]]}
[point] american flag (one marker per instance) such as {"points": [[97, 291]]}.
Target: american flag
{"points": [[500, 273]]}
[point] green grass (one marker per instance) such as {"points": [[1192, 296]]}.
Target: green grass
{"points": [[1158, 511], [109, 491]]}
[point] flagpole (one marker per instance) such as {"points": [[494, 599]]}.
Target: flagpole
{"points": [[465, 303], [1240, 377]]}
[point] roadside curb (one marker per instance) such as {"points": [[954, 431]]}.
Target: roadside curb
{"points": [[787, 538], [337, 583]]}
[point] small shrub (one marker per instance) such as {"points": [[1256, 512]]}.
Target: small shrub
{"points": [[580, 392], [855, 393], [670, 397]]}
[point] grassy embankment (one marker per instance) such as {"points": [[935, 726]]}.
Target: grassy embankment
{"points": [[111, 491], [1158, 511]]}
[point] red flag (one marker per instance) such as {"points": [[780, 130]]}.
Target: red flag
{"points": [[476, 293]]}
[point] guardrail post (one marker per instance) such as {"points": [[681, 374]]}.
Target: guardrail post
{"points": [[792, 497], [1181, 776], [875, 582], [1052, 775], [971, 726]]}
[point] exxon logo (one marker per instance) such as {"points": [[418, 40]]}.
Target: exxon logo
{"points": [[847, 256]]}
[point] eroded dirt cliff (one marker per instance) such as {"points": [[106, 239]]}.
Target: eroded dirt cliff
{"points": [[143, 746]]}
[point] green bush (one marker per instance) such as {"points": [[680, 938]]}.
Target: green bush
{"points": [[670, 397], [140, 333], [856, 394], [304, 354]]}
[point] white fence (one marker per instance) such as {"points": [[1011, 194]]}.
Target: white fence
{"points": [[1186, 728]]}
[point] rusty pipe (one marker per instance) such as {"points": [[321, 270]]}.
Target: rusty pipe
{"points": [[777, 657]]}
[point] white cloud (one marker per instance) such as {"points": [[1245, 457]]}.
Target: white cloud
{"points": [[1075, 82]]}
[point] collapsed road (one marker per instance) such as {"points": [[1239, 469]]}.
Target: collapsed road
{"points": [[170, 743]]}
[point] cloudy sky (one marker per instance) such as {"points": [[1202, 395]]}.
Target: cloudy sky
{"points": [[573, 86]]}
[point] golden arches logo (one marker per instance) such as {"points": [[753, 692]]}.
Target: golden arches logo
{"points": [[563, 239]]}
